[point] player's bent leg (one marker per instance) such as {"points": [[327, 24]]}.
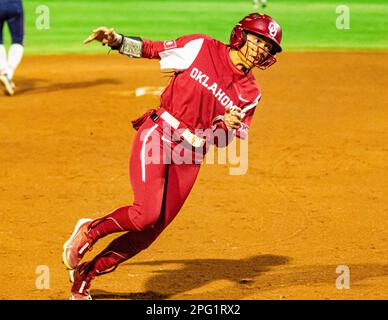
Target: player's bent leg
{"points": [[180, 181], [88, 231], [131, 243], [142, 215], [147, 181], [118, 251]]}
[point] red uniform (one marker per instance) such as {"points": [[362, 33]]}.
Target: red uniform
{"points": [[205, 82]]}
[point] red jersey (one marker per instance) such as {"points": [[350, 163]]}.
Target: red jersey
{"points": [[204, 83]]}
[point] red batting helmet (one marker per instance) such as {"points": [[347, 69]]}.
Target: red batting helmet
{"points": [[259, 24]]}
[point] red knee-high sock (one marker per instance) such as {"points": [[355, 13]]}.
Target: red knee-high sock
{"points": [[117, 221], [123, 248], [107, 261]]}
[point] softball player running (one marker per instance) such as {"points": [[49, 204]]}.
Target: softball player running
{"points": [[212, 88]]}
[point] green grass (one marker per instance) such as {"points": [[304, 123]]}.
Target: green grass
{"points": [[307, 25]]}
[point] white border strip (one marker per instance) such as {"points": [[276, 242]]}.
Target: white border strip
{"points": [[181, 58], [142, 154]]}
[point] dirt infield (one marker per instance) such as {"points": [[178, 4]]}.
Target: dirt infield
{"points": [[314, 197]]}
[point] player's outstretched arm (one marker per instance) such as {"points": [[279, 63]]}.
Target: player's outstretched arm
{"points": [[105, 36], [129, 46]]}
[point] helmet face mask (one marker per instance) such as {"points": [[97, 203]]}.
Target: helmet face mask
{"points": [[263, 27], [263, 57]]}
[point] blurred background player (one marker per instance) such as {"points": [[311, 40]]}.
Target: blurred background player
{"points": [[256, 4], [11, 11]]}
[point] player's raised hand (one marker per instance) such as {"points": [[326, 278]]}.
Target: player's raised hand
{"points": [[104, 35], [232, 117]]}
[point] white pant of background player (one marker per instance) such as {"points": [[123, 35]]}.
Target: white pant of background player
{"points": [[256, 4]]}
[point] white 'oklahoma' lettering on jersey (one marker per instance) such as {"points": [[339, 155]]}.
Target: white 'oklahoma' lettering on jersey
{"points": [[203, 79]]}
